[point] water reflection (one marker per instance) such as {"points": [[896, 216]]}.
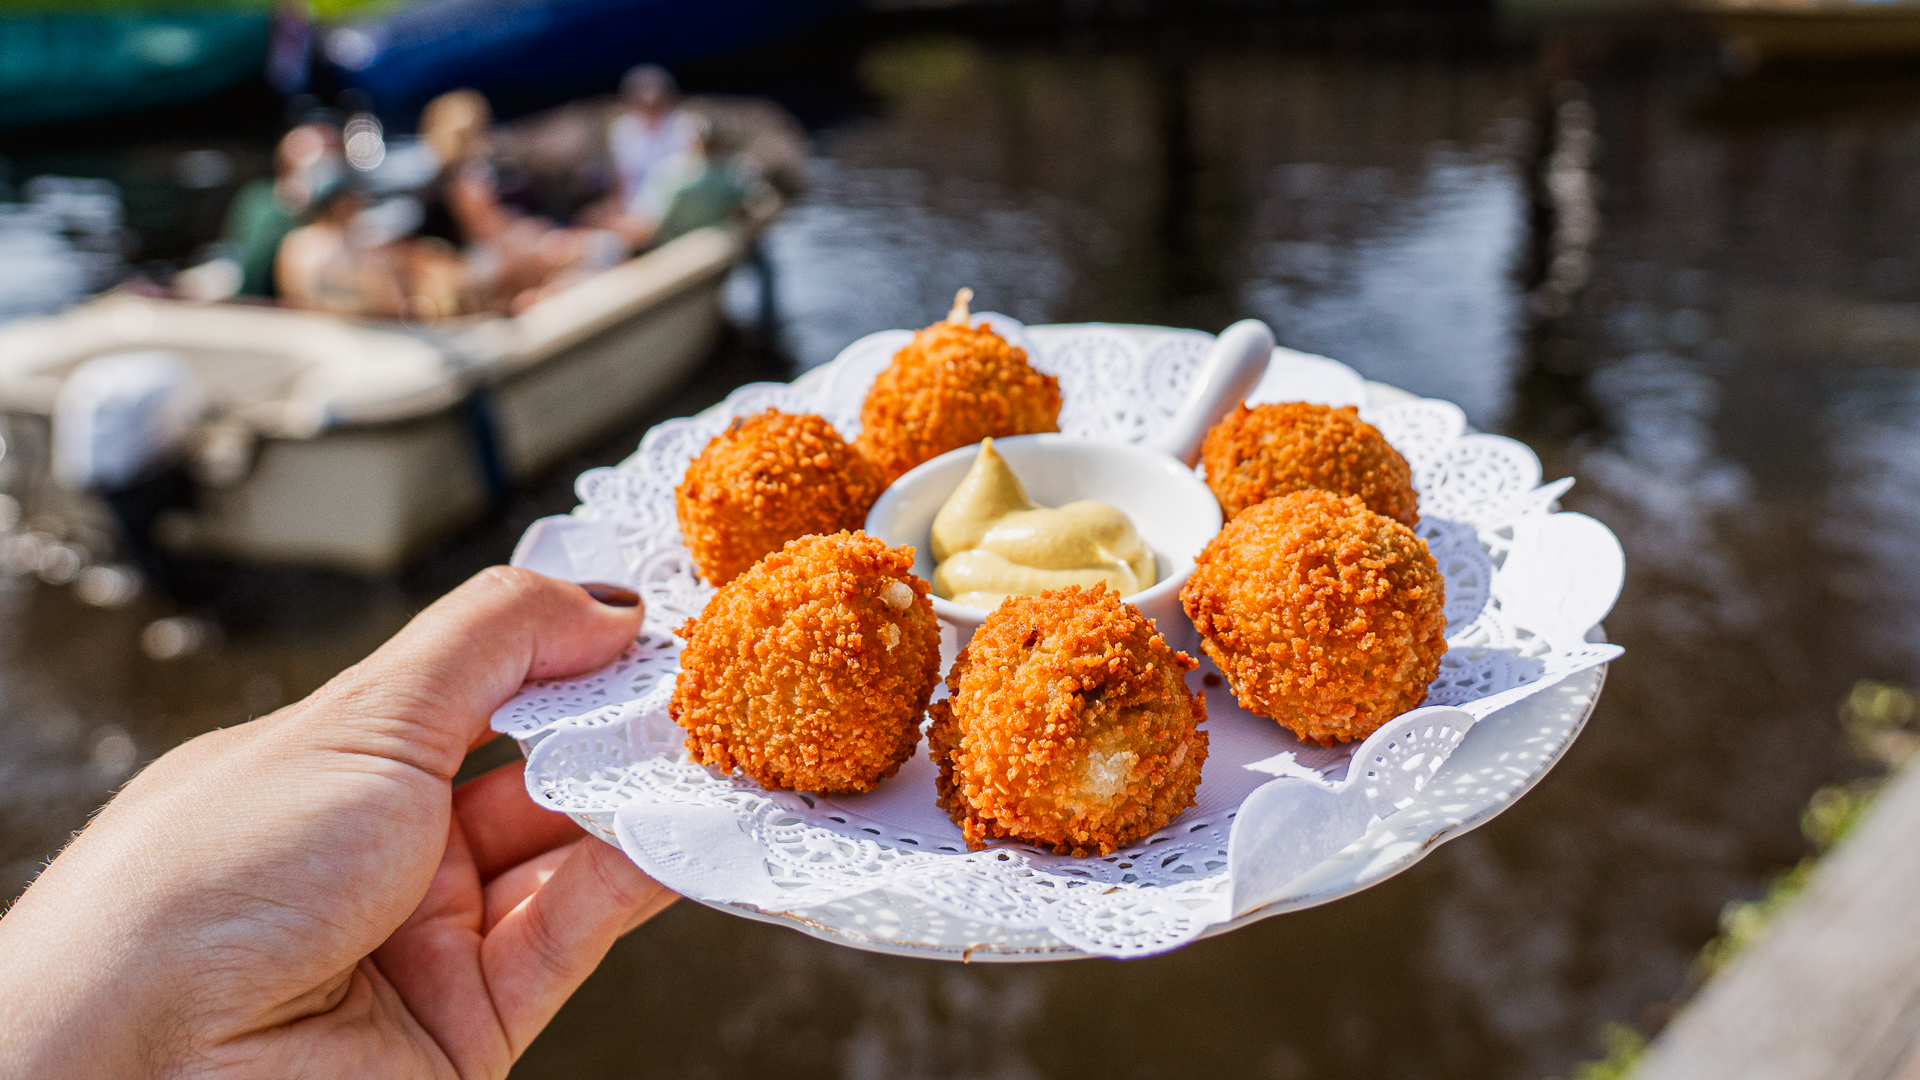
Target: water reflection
{"points": [[59, 244], [1367, 210], [1734, 385], [1422, 297], [876, 248], [1872, 513]]}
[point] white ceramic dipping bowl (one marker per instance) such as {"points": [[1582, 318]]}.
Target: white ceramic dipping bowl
{"points": [[1171, 507]]}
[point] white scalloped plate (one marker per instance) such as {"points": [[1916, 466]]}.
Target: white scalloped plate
{"points": [[840, 874], [1503, 757]]}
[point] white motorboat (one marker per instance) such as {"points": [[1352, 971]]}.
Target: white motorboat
{"points": [[356, 446]]}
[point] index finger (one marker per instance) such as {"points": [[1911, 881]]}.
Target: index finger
{"points": [[504, 827]]}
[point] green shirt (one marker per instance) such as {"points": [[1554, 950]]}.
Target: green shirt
{"points": [[256, 223], [710, 198]]}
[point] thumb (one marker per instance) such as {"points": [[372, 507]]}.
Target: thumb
{"points": [[427, 694]]}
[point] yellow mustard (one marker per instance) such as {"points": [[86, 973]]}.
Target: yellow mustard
{"points": [[990, 541]]}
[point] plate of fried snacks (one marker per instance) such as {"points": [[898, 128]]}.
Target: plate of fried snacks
{"points": [[995, 642]]}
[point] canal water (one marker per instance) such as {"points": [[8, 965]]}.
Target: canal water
{"points": [[1697, 292]]}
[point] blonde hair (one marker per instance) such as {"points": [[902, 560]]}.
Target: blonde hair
{"points": [[453, 124]]}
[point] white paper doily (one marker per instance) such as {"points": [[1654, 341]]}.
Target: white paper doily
{"points": [[1278, 825]]}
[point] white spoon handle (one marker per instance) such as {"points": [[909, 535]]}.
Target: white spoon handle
{"points": [[1230, 372]]}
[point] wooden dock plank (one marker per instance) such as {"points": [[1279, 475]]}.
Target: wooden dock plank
{"points": [[1832, 992]]}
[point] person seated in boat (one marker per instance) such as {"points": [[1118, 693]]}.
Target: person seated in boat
{"points": [[652, 130], [330, 265], [705, 190], [461, 206], [688, 191], [261, 215], [508, 258]]}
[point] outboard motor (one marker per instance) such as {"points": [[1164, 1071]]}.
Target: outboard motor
{"points": [[121, 426]]}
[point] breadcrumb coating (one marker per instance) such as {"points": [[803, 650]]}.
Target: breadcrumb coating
{"points": [[811, 671], [1270, 450], [1070, 725], [766, 480], [951, 387], [1322, 614]]}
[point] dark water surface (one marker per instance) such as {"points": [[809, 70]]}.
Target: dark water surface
{"points": [[1736, 384]]}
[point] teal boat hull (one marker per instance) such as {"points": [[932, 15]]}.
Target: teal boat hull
{"points": [[57, 67]]}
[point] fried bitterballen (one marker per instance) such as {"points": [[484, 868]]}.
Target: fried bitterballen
{"points": [[1070, 725], [954, 385], [811, 671], [1323, 615], [766, 480], [1266, 451]]}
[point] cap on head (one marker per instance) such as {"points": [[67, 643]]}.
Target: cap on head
{"points": [[329, 183], [649, 85]]}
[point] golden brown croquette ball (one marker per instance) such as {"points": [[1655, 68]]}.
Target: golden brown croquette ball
{"points": [[952, 386], [811, 671], [1069, 725], [766, 480], [1271, 450], [1322, 614]]}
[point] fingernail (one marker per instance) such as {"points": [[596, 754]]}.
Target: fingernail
{"points": [[611, 595]]}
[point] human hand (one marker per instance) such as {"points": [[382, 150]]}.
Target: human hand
{"points": [[307, 895]]}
